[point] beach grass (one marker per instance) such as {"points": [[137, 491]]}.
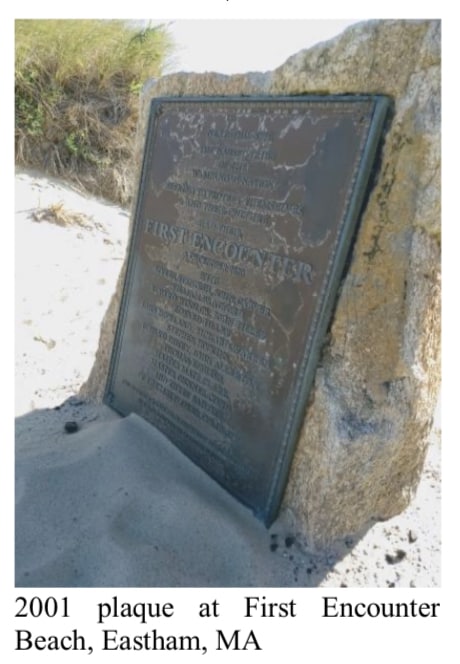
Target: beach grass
{"points": [[77, 85]]}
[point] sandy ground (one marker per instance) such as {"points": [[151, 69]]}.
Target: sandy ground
{"points": [[114, 503]]}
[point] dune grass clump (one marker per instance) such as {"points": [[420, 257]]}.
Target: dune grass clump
{"points": [[77, 86]]}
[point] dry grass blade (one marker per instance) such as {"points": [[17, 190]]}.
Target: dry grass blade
{"points": [[57, 214]]}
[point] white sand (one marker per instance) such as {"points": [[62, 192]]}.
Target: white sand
{"points": [[115, 504], [64, 279]]}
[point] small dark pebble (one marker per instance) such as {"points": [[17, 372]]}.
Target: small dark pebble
{"points": [[289, 541], [343, 585], [348, 542], [399, 555], [391, 585], [273, 546], [70, 427], [412, 536], [309, 570]]}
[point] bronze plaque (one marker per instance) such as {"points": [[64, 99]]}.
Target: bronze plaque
{"points": [[245, 215]]}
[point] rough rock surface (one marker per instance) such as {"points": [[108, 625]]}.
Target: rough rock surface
{"points": [[364, 437]]}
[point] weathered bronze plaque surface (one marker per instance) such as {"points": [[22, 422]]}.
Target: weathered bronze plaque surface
{"points": [[245, 215]]}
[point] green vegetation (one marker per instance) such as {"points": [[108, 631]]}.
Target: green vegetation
{"points": [[77, 86]]}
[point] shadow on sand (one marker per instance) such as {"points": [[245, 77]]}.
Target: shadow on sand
{"points": [[115, 504]]}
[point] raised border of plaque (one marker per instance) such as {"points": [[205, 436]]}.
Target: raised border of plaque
{"points": [[245, 216]]}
